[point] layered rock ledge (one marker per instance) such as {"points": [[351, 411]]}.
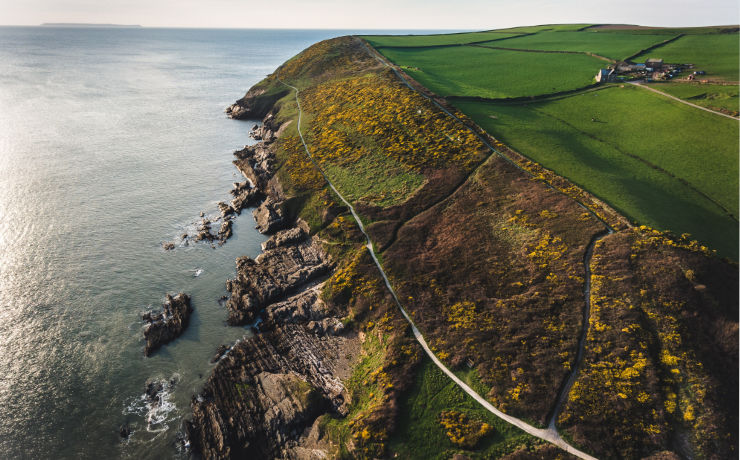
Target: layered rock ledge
{"points": [[167, 325], [266, 392]]}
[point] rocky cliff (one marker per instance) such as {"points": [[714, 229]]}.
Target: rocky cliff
{"points": [[268, 390]]}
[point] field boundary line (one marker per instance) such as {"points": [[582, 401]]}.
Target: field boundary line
{"points": [[655, 46], [450, 45], [529, 50], [642, 160]]}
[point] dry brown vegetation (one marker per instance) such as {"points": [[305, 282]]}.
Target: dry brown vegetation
{"points": [[660, 367]]}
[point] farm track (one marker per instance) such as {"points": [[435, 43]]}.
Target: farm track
{"points": [[641, 85], [550, 434]]}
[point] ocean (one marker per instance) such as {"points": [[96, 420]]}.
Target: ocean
{"points": [[113, 141]]}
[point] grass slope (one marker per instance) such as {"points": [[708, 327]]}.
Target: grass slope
{"points": [[613, 45], [706, 95], [420, 434], [476, 71], [545, 27], [700, 148], [436, 39], [716, 54]]}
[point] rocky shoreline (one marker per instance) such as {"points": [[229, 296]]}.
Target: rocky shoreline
{"points": [[267, 391]]}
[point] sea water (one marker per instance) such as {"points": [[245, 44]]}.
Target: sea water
{"points": [[112, 141]]}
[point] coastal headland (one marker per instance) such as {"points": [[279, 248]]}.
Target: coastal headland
{"points": [[549, 304]]}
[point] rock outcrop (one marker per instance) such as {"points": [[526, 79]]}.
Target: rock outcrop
{"points": [[272, 276], [267, 391], [255, 104], [165, 326], [269, 216]]}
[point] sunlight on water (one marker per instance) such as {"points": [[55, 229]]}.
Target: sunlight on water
{"points": [[111, 142]]}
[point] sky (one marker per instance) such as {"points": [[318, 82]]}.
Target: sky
{"points": [[370, 14]]}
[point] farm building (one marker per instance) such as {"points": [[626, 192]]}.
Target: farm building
{"points": [[655, 64], [605, 75]]}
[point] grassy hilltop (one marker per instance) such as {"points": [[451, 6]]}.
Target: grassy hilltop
{"points": [[488, 251]]}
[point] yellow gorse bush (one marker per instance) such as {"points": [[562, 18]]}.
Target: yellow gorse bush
{"points": [[373, 114]]}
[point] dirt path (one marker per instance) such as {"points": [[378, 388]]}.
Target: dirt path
{"points": [[642, 85], [568, 384]]}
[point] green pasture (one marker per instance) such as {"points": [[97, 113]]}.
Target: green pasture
{"points": [[670, 30], [705, 95], [653, 159], [485, 72], [716, 54], [420, 436], [437, 39], [374, 179], [543, 28], [613, 45]]}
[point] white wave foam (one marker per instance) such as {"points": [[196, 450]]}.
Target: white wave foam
{"points": [[158, 410]]}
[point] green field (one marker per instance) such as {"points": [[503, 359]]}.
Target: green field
{"points": [[636, 156], [715, 54], [614, 45], [420, 435], [436, 40], [705, 95], [544, 27], [375, 179], [666, 30], [476, 71]]}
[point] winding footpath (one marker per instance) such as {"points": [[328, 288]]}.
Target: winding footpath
{"points": [[550, 434], [641, 85]]}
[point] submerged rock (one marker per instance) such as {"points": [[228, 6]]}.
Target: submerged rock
{"points": [[167, 325], [220, 352], [124, 430]]}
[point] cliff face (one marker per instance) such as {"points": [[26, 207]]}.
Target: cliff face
{"points": [[488, 253], [267, 391]]}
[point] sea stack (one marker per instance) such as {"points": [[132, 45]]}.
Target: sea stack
{"points": [[167, 325]]}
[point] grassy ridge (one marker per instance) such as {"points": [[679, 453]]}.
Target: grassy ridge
{"points": [[476, 71], [561, 136], [614, 45], [436, 39], [716, 54], [545, 27]]}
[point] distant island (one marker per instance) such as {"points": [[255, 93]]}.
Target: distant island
{"points": [[83, 24]]}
